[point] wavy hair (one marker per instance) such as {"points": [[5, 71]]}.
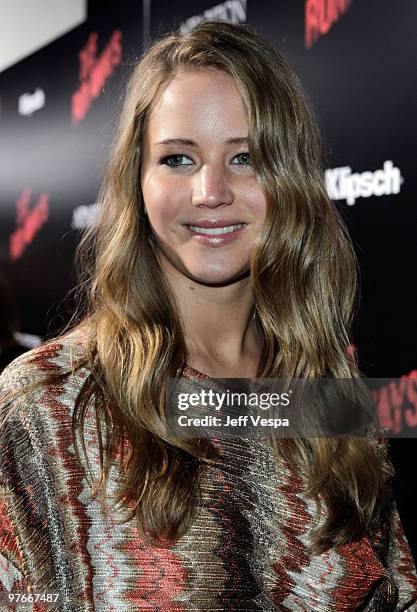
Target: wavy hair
{"points": [[304, 278]]}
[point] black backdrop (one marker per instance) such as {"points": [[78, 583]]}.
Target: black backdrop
{"points": [[357, 60]]}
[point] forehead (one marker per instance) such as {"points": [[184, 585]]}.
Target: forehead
{"points": [[205, 102]]}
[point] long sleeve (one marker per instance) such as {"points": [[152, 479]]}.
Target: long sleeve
{"points": [[15, 518], [23, 526], [12, 579], [392, 548], [400, 564]]}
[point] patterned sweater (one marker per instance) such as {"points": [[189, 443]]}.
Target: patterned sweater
{"points": [[245, 550]]}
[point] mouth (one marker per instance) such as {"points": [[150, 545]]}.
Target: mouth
{"points": [[216, 236], [215, 231]]}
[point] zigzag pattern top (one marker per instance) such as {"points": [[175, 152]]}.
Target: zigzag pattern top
{"points": [[246, 549]]}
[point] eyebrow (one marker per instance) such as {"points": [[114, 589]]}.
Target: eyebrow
{"points": [[191, 143]]}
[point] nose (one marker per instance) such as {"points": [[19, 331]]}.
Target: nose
{"points": [[211, 188]]}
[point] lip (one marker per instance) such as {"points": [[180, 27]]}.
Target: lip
{"points": [[216, 240], [214, 223]]}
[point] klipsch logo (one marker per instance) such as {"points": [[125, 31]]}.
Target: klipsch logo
{"points": [[233, 11], [320, 15], [341, 184], [28, 222], [94, 71], [29, 103]]}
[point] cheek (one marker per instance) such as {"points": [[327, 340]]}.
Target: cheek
{"points": [[163, 201], [256, 202]]}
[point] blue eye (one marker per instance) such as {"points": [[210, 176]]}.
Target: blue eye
{"points": [[175, 158], [244, 162], [174, 161]]}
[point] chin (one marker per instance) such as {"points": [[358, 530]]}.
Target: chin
{"points": [[202, 271], [219, 277]]}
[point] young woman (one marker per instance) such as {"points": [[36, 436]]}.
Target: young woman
{"points": [[217, 254]]}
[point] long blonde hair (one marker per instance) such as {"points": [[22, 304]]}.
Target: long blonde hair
{"points": [[304, 281]]}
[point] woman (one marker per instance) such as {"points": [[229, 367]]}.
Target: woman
{"points": [[217, 254]]}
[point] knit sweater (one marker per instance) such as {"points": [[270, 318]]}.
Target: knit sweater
{"points": [[247, 548]]}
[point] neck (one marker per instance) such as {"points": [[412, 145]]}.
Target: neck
{"points": [[220, 332]]}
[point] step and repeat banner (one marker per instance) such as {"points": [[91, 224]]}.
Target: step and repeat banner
{"points": [[58, 111], [357, 60]]}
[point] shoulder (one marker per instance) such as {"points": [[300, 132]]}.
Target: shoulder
{"points": [[40, 474], [52, 370]]}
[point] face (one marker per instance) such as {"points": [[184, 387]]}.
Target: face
{"points": [[204, 203]]}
